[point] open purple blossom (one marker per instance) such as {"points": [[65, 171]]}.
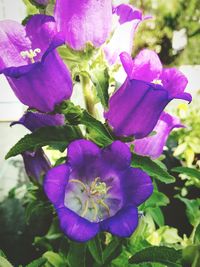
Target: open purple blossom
{"points": [[30, 63], [36, 163], [83, 21], [122, 40], [136, 106], [152, 146], [97, 190]]}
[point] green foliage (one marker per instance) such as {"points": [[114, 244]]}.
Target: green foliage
{"points": [[164, 255], [170, 16], [152, 168], [54, 136], [192, 210]]}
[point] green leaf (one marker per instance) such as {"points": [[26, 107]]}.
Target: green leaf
{"points": [[112, 250], [157, 215], [97, 131], [192, 210], [95, 249], [191, 256], [152, 168], [54, 136], [76, 254], [188, 171], [197, 235], [54, 258], [37, 263], [100, 78], [164, 255], [157, 199], [5, 263]]}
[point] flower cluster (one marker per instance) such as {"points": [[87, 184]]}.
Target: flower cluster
{"points": [[96, 189]]}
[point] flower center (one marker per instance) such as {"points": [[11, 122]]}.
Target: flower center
{"points": [[31, 54], [157, 81], [90, 200]]}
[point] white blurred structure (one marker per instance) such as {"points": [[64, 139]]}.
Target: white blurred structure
{"points": [[10, 108], [179, 40]]}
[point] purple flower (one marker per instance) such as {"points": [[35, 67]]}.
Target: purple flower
{"points": [[152, 146], [82, 21], [36, 163], [34, 70], [97, 190], [122, 39], [136, 106], [36, 120]]}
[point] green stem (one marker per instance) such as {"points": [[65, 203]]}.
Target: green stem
{"points": [[88, 95]]}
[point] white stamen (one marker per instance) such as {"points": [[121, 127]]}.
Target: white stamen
{"points": [[30, 54]]}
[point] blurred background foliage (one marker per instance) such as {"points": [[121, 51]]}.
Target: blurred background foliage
{"points": [[171, 19]]}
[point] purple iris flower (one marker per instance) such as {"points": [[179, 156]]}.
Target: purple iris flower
{"points": [[152, 146], [36, 163], [33, 68], [97, 190], [82, 21], [122, 40], [136, 106]]}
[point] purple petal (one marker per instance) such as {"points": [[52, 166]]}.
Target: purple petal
{"points": [[129, 19], [123, 223], [41, 30], [76, 227], [117, 156], [76, 20], [145, 67], [36, 120], [135, 108], [38, 88], [153, 145], [13, 40], [55, 183], [175, 83], [83, 157], [127, 13], [36, 164], [137, 187], [35, 84]]}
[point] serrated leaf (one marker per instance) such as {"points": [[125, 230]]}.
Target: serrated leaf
{"points": [[95, 249], [100, 78], [97, 131], [37, 263], [164, 255], [152, 168], [188, 171], [55, 136]]}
